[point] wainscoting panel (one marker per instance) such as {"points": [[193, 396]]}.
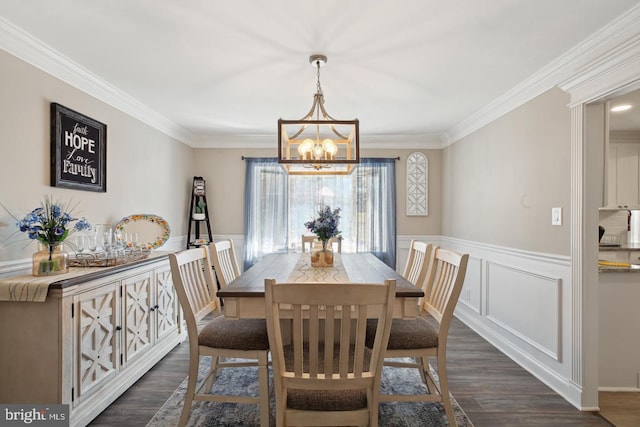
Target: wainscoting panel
{"points": [[523, 307], [526, 305], [471, 295]]}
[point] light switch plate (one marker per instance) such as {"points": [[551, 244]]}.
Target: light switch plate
{"points": [[556, 216]]}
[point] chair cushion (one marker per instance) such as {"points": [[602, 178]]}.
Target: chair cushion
{"points": [[325, 400], [406, 334], [235, 334]]}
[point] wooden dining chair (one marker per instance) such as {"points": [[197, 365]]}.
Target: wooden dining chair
{"points": [[415, 270], [220, 338], [418, 339], [336, 240], [308, 240], [224, 261], [325, 375]]}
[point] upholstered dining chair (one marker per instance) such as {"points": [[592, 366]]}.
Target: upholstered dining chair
{"points": [[418, 339], [308, 240], [224, 261], [325, 375], [220, 338]]}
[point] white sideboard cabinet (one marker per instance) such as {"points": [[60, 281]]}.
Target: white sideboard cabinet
{"points": [[91, 339]]}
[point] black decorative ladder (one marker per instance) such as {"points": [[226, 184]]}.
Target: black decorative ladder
{"points": [[198, 196]]}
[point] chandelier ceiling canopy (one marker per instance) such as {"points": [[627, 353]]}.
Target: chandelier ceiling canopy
{"points": [[318, 144]]}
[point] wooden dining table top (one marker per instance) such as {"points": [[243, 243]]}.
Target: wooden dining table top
{"points": [[296, 267]]}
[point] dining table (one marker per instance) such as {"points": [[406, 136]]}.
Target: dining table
{"points": [[243, 298]]}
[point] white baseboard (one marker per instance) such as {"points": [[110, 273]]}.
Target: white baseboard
{"points": [[620, 389]]}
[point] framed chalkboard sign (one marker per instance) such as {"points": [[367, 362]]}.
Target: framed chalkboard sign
{"points": [[78, 151]]}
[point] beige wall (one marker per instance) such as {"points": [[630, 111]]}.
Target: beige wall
{"points": [[500, 183], [474, 193], [224, 171], [147, 171]]}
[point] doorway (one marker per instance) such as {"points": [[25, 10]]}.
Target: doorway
{"points": [[618, 358]]}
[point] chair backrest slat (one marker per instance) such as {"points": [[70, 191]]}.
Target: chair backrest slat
{"points": [[361, 332], [297, 333], [345, 333], [314, 339], [329, 338]]}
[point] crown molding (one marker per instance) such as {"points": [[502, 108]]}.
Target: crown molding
{"points": [[599, 57], [611, 61], [24, 46]]}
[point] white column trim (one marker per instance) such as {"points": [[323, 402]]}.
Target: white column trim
{"points": [[577, 230]]}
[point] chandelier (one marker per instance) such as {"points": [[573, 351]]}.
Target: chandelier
{"points": [[318, 144]]}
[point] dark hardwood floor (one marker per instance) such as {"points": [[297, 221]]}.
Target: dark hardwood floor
{"points": [[492, 389]]}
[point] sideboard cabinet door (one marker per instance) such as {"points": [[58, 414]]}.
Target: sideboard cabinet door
{"points": [[96, 344], [166, 304], [137, 310]]}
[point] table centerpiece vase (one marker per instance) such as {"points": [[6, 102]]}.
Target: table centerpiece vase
{"points": [[325, 226], [50, 259], [321, 254]]}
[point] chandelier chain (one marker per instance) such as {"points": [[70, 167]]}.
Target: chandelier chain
{"points": [[318, 87]]}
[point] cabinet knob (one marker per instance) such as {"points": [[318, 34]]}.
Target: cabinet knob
{"points": [[118, 328]]}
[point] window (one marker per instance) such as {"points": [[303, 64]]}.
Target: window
{"points": [[277, 206]]}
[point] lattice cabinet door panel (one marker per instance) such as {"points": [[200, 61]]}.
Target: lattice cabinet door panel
{"points": [[137, 315], [166, 304], [96, 338]]}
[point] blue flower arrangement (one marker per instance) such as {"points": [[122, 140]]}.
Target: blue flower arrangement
{"points": [[326, 225], [50, 223]]}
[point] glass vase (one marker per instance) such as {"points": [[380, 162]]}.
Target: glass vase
{"points": [[321, 254], [50, 259]]}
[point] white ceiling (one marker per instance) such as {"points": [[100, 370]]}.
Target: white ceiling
{"points": [[221, 70]]}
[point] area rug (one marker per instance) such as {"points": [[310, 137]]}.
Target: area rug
{"points": [[244, 381]]}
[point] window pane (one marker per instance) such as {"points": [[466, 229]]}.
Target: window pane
{"points": [[308, 193]]}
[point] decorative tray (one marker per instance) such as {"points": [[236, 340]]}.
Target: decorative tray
{"points": [[111, 261], [153, 230]]}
